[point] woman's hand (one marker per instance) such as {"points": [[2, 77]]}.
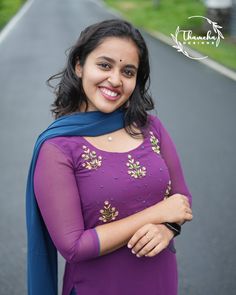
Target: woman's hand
{"points": [[150, 240], [175, 208]]}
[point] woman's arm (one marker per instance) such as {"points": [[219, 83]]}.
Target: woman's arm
{"points": [[116, 234], [172, 160], [59, 202], [161, 236]]}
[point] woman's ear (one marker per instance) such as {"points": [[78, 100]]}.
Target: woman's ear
{"points": [[78, 70]]}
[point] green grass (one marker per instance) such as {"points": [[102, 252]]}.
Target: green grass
{"points": [[7, 10], [167, 16]]}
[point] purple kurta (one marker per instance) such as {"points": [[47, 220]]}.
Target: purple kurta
{"points": [[79, 187]]}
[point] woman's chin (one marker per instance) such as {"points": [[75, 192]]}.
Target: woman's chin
{"points": [[107, 109]]}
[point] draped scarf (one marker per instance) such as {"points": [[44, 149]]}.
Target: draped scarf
{"points": [[41, 252]]}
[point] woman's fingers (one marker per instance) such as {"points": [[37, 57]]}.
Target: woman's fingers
{"points": [[148, 247], [189, 211], [143, 242], [150, 240], [185, 200], [143, 236], [156, 250], [188, 216], [137, 236]]}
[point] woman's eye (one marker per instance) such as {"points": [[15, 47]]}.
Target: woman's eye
{"points": [[129, 73], [104, 66]]}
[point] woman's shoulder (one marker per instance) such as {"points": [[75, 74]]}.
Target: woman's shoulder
{"points": [[153, 118], [67, 144], [154, 123]]}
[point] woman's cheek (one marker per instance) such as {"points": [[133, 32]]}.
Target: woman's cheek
{"points": [[131, 87]]}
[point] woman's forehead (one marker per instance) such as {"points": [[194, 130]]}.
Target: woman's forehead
{"points": [[118, 49]]}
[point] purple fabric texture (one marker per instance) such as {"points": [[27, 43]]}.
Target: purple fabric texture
{"points": [[74, 181]]}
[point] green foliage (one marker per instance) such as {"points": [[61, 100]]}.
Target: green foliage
{"points": [[7, 10], [163, 18]]}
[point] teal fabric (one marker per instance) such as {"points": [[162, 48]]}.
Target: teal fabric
{"points": [[42, 254]]}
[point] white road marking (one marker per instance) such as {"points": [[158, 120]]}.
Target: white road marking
{"points": [[11, 24]]}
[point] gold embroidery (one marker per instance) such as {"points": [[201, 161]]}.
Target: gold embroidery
{"points": [[108, 213], [135, 170], [92, 160], [154, 143], [168, 189]]}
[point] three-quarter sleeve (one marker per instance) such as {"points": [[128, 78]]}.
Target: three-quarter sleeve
{"points": [[59, 202], [170, 155]]}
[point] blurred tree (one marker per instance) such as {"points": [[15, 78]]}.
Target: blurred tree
{"points": [[219, 11], [232, 28], [156, 3]]}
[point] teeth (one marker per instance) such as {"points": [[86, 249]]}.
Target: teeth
{"points": [[109, 92]]}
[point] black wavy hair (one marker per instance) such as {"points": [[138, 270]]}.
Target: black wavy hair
{"points": [[69, 91]]}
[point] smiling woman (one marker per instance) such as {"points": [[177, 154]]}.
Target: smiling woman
{"points": [[105, 186]]}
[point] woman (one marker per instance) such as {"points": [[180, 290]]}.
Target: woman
{"points": [[105, 185]]}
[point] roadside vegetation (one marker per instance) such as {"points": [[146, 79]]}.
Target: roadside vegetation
{"points": [[8, 9]]}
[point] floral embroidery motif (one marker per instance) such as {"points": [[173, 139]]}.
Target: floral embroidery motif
{"points": [[155, 143], [168, 189], [135, 170], [92, 161], [108, 213]]}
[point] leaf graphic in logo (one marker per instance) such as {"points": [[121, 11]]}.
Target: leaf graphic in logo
{"points": [[173, 37], [208, 20], [177, 31], [220, 34]]}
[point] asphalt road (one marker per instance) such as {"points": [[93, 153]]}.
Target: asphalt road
{"points": [[196, 104]]}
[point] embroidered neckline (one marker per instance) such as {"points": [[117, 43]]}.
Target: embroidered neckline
{"points": [[121, 153]]}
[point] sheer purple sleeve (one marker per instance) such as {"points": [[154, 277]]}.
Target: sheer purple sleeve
{"points": [[169, 153], [59, 203]]}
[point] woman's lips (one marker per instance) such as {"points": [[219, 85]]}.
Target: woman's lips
{"points": [[109, 94]]}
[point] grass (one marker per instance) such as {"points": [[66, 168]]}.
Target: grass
{"points": [[172, 13], [8, 9]]}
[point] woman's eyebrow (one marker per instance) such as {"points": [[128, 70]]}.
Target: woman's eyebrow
{"points": [[106, 58], [113, 61], [131, 67]]}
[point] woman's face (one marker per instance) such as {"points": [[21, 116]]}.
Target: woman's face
{"points": [[109, 74]]}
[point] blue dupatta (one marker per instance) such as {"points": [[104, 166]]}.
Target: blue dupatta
{"points": [[42, 254]]}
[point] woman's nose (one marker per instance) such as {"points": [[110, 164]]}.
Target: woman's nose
{"points": [[115, 79]]}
